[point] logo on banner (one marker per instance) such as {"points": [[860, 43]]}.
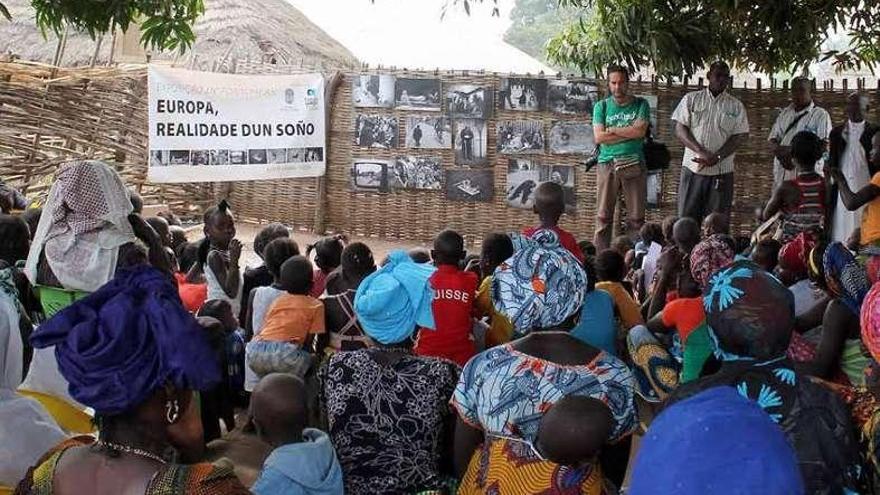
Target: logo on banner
{"points": [[311, 99], [290, 96]]}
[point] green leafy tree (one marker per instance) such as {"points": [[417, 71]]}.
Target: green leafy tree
{"points": [[164, 24], [535, 23]]}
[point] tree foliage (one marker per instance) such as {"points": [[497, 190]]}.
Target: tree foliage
{"points": [[165, 24], [535, 22]]}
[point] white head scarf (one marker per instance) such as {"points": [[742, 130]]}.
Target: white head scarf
{"points": [[84, 222]]}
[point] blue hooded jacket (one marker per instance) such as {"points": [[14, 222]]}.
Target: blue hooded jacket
{"points": [[309, 467]]}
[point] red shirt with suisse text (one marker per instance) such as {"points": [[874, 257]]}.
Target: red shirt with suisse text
{"points": [[454, 294]]}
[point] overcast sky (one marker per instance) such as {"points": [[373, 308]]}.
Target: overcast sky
{"points": [[411, 34]]}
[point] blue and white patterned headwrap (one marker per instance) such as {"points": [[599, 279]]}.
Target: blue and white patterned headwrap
{"points": [[541, 285]]}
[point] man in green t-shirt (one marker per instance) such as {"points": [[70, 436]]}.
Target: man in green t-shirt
{"points": [[619, 125]]}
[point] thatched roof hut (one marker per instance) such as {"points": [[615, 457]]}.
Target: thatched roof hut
{"points": [[257, 30]]}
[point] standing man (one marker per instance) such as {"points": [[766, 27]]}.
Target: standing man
{"points": [[801, 115], [417, 135], [711, 124], [467, 143], [849, 153], [619, 124]]}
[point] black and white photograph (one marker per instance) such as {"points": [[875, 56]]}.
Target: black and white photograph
{"points": [[523, 95], [417, 172], [653, 102], [655, 184], [467, 101], [372, 91], [276, 155], [429, 132], [370, 175], [314, 155], [523, 178], [200, 157], [179, 157], [572, 97], [418, 94], [296, 155], [238, 157], [375, 131], [471, 141], [219, 157], [159, 158], [256, 157], [571, 138], [520, 136], [469, 185], [564, 176]]}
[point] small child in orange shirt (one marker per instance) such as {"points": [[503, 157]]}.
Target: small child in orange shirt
{"points": [[290, 325]]}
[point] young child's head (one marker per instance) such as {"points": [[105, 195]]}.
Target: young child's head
{"points": [[187, 255], [15, 239], [277, 252], [328, 253], [419, 255], [686, 234], [610, 266], [219, 225], [279, 409], [622, 244], [587, 248], [160, 225], [766, 254], [357, 263], [448, 248], [497, 248], [297, 275], [137, 202], [715, 223], [668, 224], [268, 234], [171, 218], [178, 237], [574, 430], [806, 149], [651, 232], [549, 203], [31, 216], [687, 286], [221, 311]]}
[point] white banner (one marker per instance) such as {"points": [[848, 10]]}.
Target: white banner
{"points": [[209, 127]]}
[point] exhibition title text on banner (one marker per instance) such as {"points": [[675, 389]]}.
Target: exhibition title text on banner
{"points": [[210, 127]]}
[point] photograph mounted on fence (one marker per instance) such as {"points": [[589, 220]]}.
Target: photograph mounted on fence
{"points": [[370, 175], [418, 94], [375, 131], [523, 178], [430, 132], [470, 185], [564, 176], [571, 138], [417, 172], [572, 97], [471, 141], [372, 91], [468, 101], [523, 95], [520, 136], [213, 127]]}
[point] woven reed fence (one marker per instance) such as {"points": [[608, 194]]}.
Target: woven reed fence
{"points": [[48, 116]]}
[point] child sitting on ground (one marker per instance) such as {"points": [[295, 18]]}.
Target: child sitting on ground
{"points": [[419, 255], [453, 305], [549, 206], [221, 264], [290, 325], [610, 269], [766, 254], [216, 404], [497, 248], [178, 237], [587, 248], [191, 283], [261, 299], [328, 257], [303, 460], [574, 430], [260, 276]]}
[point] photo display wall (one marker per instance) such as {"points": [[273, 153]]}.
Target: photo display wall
{"points": [[424, 134]]}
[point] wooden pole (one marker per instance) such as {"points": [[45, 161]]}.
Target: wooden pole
{"points": [[97, 50], [330, 87]]}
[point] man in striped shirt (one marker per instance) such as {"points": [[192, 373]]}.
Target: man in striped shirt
{"points": [[712, 124]]}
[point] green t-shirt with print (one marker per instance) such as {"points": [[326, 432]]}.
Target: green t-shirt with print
{"points": [[608, 113]]}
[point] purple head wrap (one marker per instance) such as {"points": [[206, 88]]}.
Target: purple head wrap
{"points": [[129, 338]]}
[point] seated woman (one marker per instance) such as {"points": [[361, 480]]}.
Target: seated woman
{"points": [[387, 409], [504, 391], [802, 200], [846, 283], [134, 354], [751, 315], [344, 331]]}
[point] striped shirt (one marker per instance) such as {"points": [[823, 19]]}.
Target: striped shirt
{"points": [[712, 120], [809, 214]]}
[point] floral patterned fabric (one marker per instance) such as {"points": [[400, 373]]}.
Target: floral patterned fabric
{"points": [[709, 256], [505, 392], [387, 421], [846, 279]]}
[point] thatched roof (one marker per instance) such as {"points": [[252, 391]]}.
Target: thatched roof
{"points": [[243, 29]]}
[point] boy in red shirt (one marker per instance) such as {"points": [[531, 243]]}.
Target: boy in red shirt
{"points": [[454, 294], [549, 205]]}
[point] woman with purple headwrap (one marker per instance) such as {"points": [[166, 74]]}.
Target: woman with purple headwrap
{"points": [[132, 353]]}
